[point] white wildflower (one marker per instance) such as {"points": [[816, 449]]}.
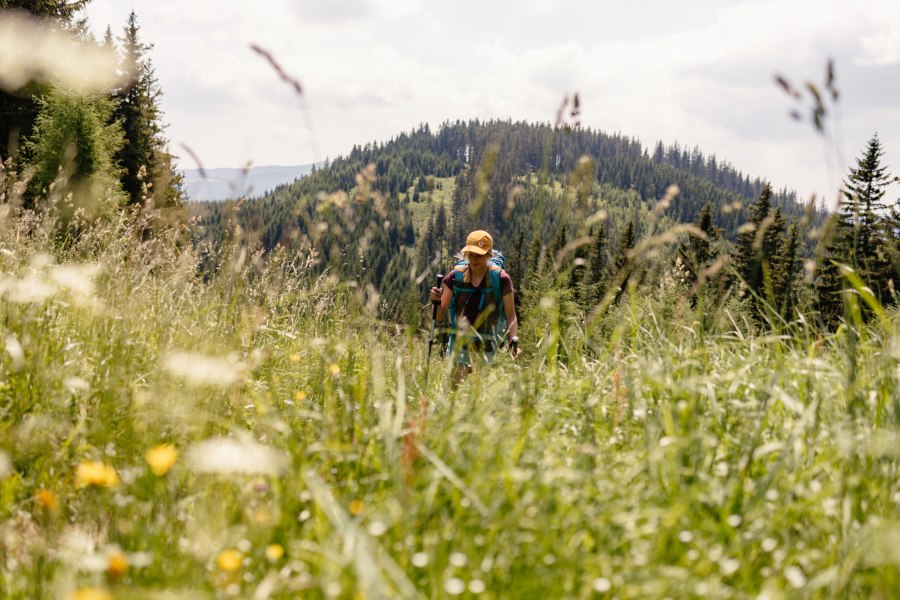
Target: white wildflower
{"points": [[76, 385], [454, 586], [376, 528], [15, 351], [200, 369], [458, 559], [226, 455], [30, 290], [77, 278], [795, 577]]}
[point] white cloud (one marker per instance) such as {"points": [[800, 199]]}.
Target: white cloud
{"points": [[701, 74], [882, 48]]}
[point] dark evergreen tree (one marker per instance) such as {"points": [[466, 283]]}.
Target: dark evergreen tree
{"points": [[695, 253], [597, 263], [622, 272], [785, 270], [758, 245], [864, 236], [71, 155], [863, 202], [148, 171]]}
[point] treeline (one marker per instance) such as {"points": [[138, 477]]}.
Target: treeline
{"points": [[559, 200], [84, 154]]}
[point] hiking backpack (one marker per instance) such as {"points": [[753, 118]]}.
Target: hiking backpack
{"points": [[496, 263]]}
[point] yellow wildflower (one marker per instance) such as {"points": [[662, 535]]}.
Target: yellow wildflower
{"points": [[91, 593], [229, 560], [274, 552], [161, 458], [95, 474], [356, 507], [47, 499], [294, 357], [334, 368], [116, 565], [299, 396]]}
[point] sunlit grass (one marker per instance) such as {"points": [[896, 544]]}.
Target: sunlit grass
{"points": [[259, 435]]}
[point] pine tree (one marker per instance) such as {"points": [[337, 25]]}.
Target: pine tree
{"points": [[695, 253], [559, 241], [863, 205], [148, 169], [749, 251], [626, 243], [862, 235], [830, 281], [759, 244], [71, 153], [785, 270], [597, 255], [621, 271]]}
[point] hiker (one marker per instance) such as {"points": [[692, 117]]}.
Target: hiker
{"points": [[478, 296]]}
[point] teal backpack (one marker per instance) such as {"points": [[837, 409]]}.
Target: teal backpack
{"points": [[496, 263]]}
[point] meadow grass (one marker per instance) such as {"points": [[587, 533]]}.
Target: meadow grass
{"points": [[260, 434]]}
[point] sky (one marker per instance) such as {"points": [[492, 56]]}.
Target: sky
{"points": [[697, 72]]}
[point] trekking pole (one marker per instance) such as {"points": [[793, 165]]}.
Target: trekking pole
{"points": [[434, 308]]}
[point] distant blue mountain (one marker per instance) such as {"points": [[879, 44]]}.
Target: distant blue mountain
{"points": [[225, 184]]}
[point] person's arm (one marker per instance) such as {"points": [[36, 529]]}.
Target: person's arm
{"points": [[512, 324], [509, 309], [444, 297]]}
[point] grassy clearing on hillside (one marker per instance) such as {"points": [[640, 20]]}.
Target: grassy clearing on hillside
{"points": [[261, 436], [441, 194]]}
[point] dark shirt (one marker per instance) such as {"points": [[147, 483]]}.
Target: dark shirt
{"points": [[468, 300]]}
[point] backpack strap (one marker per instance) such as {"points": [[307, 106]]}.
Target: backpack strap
{"points": [[494, 287], [459, 274]]}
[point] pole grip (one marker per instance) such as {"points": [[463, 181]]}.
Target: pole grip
{"points": [[434, 303]]}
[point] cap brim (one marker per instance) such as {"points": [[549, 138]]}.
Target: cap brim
{"points": [[476, 250]]}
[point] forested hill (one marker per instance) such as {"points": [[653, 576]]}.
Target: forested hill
{"points": [[389, 209]]}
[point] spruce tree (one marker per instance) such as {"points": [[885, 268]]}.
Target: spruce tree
{"points": [[148, 169], [621, 271], [785, 270], [596, 266], [749, 251], [759, 245], [626, 243], [863, 204], [695, 253], [862, 236]]}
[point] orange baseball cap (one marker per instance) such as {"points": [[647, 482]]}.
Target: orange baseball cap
{"points": [[479, 242]]}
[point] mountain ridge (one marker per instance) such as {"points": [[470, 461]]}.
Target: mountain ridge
{"points": [[225, 183]]}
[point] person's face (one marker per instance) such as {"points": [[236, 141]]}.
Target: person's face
{"points": [[477, 261]]}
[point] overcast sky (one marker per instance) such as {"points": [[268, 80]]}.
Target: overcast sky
{"points": [[699, 72]]}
